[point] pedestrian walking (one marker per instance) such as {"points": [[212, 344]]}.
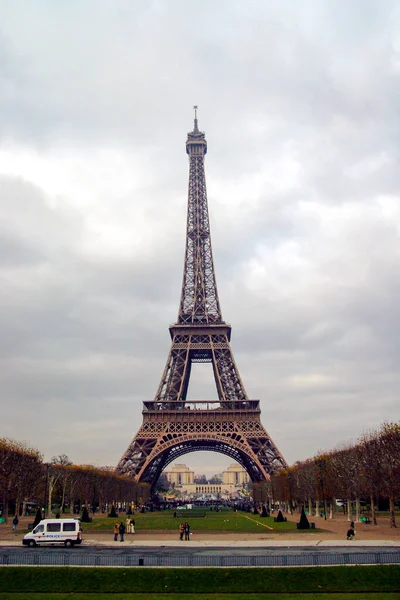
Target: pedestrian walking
{"points": [[128, 525], [15, 523], [132, 525], [121, 531], [181, 531], [116, 532], [187, 532]]}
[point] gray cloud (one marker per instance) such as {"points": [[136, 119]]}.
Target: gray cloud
{"points": [[300, 108]]}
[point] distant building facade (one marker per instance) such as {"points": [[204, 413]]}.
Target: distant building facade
{"points": [[235, 475], [234, 482], [180, 475]]}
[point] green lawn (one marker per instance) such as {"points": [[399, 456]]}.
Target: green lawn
{"points": [[205, 596], [213, 521], [215, 583]]}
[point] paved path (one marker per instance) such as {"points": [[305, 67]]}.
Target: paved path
{"points": [[99, 542]]}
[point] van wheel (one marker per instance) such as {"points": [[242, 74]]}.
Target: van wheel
{"points": [[68, 543], [32, 544]]}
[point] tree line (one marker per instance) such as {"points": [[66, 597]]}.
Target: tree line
{"points": [[360, 474], [25, 477]]}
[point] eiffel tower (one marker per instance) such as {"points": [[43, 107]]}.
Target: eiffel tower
{"points": [[172, 424]]}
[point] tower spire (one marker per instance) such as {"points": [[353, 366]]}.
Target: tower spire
{"points": [[199, 297], [196, 126]]}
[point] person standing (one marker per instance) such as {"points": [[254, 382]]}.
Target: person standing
{"points": [[128, 525], [187, 532], [132, 525], [15, 523], [181, 531], [116, 532], [121, 531]]}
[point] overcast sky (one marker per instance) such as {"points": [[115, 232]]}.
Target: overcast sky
{"points": [[300, 105]]}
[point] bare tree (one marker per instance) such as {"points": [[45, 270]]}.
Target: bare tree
{"points": [[389, 450], [52, 476], [60, 464], [18, 463], [371, 468], [61, 459], [305, 480]]}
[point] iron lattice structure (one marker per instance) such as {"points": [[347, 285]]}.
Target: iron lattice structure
{"points": [[173, 425]]}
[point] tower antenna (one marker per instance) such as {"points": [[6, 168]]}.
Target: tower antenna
{"points": [[196, 128]]}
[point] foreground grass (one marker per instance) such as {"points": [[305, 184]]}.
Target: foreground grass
{"points": [[206, 596], [228, 522], [63, 580]]}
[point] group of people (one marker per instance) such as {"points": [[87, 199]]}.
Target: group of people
{"points": [[184, 530], [121, 529]]}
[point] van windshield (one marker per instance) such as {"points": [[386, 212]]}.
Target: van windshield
{"points": [[38, 529]]}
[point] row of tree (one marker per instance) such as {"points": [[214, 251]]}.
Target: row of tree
{"points": [[202, 480], [24, 477], [361, 473]]}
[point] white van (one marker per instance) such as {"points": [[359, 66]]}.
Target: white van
{"points": [[55, 531]]}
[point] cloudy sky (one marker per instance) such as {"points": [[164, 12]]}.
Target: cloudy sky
{"points": [[300, 105]]}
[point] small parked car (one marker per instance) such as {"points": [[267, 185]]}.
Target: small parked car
{"points": [[55, 531]]}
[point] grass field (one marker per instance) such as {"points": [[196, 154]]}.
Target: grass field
{"points": [[228, 521], [206, 596], [38, 582]]}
